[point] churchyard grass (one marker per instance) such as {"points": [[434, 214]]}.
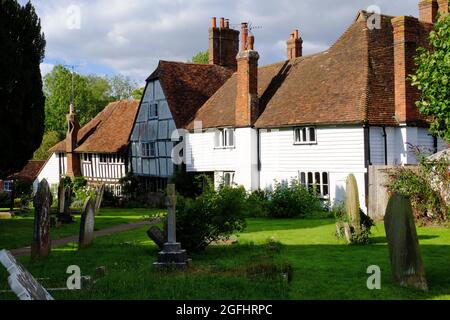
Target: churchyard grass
{"points": [[323, 266], [17, 232]]}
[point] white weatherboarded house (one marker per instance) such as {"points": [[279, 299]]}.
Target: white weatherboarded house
{"points": [[316, 118]]}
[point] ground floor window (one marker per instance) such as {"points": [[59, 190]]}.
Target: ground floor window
{"points": [[225, 179], [8, 186], [319, 181]]}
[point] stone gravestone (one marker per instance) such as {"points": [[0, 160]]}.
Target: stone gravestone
{"points": [[87, 224], [21, 281], [65, 216], [99, 197], [352, 203], [41, 246], [404, 251], [155, 234], [172, 254]]}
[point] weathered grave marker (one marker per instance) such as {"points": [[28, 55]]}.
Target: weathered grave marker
{"points": [[155, 234], [352, 203], [172, 254], [404, 251], [41, 246], [87, 224], [21, 281], [61, 197]]}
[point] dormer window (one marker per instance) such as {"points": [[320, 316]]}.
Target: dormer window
{"points": [[224, 138], [305, 135], [87, 157]]}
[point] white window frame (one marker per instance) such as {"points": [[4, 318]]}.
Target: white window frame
{"points": [[301, 139], [231, 175], [221, 138], [101, 160], [148, 149], [309, 179]]}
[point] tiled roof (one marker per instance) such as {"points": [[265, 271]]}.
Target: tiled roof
{"points": [[108, 132], [187, 86], [29, 172], [352, 82]]}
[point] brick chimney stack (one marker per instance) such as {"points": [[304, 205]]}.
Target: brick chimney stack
{"points": [[428, 10], [223, 44], [73, 160], [247, 101], [295, 46]]}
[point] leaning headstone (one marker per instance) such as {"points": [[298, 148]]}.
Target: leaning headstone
{"points": [[99, 197], [352, 203], [406, 260], [66, 216], [41, 246], [155, 234], [172, 254], [87, 224], [21, 281]]}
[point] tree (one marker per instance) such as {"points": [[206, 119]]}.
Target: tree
{"points": [[201, 58], [138, 93], [91, 95], [22, 48], [122, 87], [432, 78], [50, 139]]}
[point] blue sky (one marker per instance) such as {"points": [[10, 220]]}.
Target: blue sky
{"points": [[130, 37]]}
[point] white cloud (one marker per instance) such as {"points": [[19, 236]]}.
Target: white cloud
{"points": [[131, 36], [46, 68]]}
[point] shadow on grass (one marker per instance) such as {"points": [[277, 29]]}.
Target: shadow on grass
{"points": [[259, 225], [320, 272], [379, 240]]}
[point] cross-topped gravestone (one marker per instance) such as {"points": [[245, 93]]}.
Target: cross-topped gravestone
{"points": [[99, 197], [41, 246], [172, 254], [21, 281], [404, 251], [87, 224]]}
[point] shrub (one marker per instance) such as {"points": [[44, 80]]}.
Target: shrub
{"points": [[5, 200], [257, 204], [212, 216], [364, 232], [427, 185], [109, 199], [293, 200]]}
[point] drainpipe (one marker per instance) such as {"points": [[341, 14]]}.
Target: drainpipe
{"points": [[258, 134], [385, 146], [367, 162]]}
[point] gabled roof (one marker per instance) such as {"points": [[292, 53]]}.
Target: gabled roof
{"points": [[187, 86], [29, 172], [108, 132], [350, 83]]}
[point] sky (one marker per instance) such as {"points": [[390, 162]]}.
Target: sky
{"points": [[129, 37]]}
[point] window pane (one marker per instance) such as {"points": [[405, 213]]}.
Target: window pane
{"points": [[304, 135], [303, 178], [297, 135], [317, 178], [310, 181], [230, 138], [312, 134], [217, 138], [325, 178]]}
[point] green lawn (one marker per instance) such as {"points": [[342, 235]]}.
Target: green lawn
{"points": [[17, 232], [323, 267]]}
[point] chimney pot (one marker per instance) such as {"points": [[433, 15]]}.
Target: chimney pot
{"points": [[295, 45], [251, 42], [244, 33], [428, 10], [214, 22], [227, 23], [222, 23], [296, 34]]}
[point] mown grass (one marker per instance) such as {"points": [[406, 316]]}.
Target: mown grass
{"points": [[17, 232], [323, 266]]}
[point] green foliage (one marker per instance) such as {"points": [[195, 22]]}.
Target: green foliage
{"points": [[432, 78], [258, 204], [427, 186], [137, 94], [121, 87], [5, 200], [201, 58], [189, 184], [212, 216], [91, 94], [293, 200], [22, 100], [50, 139]]}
